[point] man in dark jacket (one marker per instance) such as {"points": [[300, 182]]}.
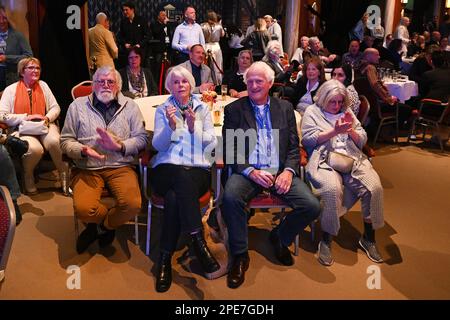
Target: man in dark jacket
{"points": [[162, 32], [133, 33], [269, 161]]}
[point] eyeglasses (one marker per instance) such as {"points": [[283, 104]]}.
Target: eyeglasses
{"points": [[33, 68], [107, 82]]}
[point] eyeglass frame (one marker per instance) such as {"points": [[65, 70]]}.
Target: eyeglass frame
{"points": [[33, 68], [109, 82]]}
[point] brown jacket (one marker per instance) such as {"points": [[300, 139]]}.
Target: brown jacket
{"points": [[367, 83]]}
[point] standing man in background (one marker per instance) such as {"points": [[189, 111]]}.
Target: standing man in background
{"points": [[401, 32], [101, 42], [274, 30], [186, 35], [133, 33], [163, 32]]}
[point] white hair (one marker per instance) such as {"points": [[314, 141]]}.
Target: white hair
{"points": [[269, 74], [107, 70], [328, 90], [181, 72], [272, 44]]}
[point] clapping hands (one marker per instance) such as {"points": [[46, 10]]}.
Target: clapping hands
{"points": [[344, 124], [170, 114], [107, 141]]}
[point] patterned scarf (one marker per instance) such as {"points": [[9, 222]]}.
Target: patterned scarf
{"points": [[136, 81]]}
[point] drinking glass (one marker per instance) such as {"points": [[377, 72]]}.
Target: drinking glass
{"points": [[224, 90]]}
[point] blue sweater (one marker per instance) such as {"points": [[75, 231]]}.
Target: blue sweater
{"points": [[180, 147]]}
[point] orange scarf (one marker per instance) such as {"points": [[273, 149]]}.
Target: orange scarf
{"points": [[22, 103]]}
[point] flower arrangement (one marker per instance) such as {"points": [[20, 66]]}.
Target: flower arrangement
{"points": [[209, 96]]}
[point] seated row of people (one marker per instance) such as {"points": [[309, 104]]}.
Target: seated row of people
{"points": [[104, 132]]}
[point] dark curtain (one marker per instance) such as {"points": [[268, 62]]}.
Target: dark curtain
{"points": [[419, 16], [340, 17], [62, 52]]}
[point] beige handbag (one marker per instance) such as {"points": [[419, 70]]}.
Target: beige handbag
{"points": [[340, 162], [33, 128]]}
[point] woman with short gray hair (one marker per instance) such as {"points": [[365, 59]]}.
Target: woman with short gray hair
{"points": [[338, 170], [181, 170]]}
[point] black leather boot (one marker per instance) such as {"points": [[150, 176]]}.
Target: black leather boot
{"points": [[164, 273], [208, 262]]}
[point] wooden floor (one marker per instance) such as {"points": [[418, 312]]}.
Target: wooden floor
{"points": [[414, 242]]}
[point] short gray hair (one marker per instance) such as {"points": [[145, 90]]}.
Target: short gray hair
{"points": [[179, 71], [262, 66], [107, 70], [328, 90], [272, 44], [313, 39], [100, 17]]}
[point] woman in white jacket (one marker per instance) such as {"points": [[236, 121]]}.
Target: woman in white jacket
{"points": [[31, 99]]}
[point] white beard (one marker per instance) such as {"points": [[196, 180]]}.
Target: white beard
{"points": [[105, 96]]}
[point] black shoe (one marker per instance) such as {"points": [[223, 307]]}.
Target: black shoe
{"points": [[164, 273], [88, 236], [281, 252], [106, 237], [236, 274], [207, 260], [18, 213], [17, 146]]}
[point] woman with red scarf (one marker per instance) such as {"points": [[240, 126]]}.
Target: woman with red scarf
{"points": [[31, 100]]}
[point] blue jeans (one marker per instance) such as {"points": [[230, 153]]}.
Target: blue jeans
{"points": [[239, 190], [8, 176]]}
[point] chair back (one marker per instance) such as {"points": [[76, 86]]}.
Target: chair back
{"points": [[434, 110], [364, 109], [82, 89], [7, 228]]}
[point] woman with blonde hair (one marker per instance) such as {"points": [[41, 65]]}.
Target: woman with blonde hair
{"points": [[213, 31], [31, 100], [257, 40], [338, 170], [184, 123]]}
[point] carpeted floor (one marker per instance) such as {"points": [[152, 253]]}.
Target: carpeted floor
{"points": [[415, 243]]}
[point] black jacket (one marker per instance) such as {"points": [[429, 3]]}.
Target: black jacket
{"points": [[240, 115], [300, 90], [133, 33], [157, 29], [151, 85]]}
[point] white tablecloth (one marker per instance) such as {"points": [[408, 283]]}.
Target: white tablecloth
{"points": [[403, 90], [148, 107]]}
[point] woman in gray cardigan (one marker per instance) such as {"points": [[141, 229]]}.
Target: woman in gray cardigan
{"points": [[329, 126]]}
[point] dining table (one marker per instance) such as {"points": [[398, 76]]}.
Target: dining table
{"points": [[402, 88], [148, 106]]}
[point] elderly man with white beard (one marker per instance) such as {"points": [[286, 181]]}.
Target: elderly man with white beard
{"points": [[103, 133]]}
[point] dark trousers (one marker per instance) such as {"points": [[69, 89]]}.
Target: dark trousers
{"points": [[239, 190], [179, 57], [8, 176], [181, 188], [2, 78]]}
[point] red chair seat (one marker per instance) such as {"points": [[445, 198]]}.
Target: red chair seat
{"points": [[263, 200]]}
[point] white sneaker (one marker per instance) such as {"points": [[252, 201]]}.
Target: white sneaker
{"points": [[30, 187]]}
